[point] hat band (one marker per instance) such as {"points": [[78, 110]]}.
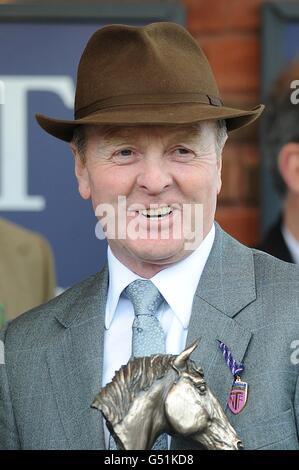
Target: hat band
{"points": [[157, 99]]}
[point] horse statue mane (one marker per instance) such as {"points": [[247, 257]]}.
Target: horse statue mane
{"points": [[168, 382], [138, 375]]}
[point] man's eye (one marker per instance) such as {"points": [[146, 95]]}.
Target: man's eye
{"points": [[125, 152], [125, 156], [182, 151]]}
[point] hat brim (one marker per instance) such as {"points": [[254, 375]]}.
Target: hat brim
{"points": [[188, 113]]}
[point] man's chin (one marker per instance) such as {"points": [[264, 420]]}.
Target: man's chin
{"points": [[158, 251]]}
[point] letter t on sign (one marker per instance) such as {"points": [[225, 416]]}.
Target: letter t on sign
{"points": [[13, 136]]}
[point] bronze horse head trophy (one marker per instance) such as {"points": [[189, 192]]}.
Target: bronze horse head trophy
{"points": [[164, 394]]}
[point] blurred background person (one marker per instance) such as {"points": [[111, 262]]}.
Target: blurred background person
{"points": [[281, 131], [27, 276]]}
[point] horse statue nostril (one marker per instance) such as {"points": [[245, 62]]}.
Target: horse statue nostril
{"points": [[240, 445]]}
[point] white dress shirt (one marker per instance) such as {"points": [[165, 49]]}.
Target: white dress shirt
{"points": [[177, 283], [292, 244]]}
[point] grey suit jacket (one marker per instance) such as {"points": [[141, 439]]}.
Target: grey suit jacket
{"points": [[245, 298]]}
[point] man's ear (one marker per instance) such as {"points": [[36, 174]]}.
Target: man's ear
{"points": [[288, 163], [81, 173]]}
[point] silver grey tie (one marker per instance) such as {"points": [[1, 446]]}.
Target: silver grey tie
{"points": [[148, 336]]}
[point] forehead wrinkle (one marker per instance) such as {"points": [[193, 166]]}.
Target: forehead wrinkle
{"points": [[168, 135], [111, 135]]}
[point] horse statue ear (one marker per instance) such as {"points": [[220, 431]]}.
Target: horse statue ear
{"points": [[181, 359]]}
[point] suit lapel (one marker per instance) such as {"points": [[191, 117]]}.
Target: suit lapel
{"points": [[75, 363], [211, 326], [227, 286]]}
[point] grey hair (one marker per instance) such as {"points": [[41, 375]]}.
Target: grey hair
{"points": [[79, 138], [221, 136], [79, 141]]}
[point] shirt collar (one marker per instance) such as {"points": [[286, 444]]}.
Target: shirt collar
{"points": [[119, 278], [181, 277], [291, 242], [178, 282]]}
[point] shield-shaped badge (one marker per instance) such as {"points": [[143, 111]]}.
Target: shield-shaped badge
{"points": [[238, 396]]}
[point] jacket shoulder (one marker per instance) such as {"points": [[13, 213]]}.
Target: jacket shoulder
{"points": [[36, 327], [270, 268]]}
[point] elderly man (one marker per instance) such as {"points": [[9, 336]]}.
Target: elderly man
{"points": [[148, 133]]}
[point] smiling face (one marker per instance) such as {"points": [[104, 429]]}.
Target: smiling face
{"points": [[174, 167]]}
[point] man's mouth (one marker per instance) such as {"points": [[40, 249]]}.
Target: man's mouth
{"points": [[156, 213]]}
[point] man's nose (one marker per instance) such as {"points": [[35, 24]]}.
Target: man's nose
{"points": [[154, 177]]}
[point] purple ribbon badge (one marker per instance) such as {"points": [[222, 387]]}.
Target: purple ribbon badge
{"points": [[238, 396], [239, 392]]}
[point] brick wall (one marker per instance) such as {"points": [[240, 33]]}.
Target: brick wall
{"points": [[229, 32]]}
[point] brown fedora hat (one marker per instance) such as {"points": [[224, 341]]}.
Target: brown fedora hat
{"points": [[155, 74]]}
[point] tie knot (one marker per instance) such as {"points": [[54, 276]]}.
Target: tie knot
{"points": [[145, 297]]}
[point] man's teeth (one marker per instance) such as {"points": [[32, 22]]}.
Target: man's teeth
{"points": [[160, 212]]}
